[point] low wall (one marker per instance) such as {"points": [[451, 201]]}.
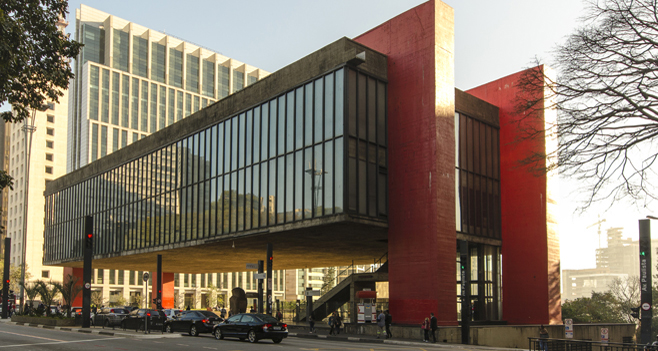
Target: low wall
{"points": [[513, 336], [55, 322]]}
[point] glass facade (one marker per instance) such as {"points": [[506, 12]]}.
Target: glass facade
{"points": [[478, 177], [281, 161], [120, 48], [140, 56]]}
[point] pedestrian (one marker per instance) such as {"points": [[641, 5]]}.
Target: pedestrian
{"points": [[426, 329], [332, 324], [543, 335], [311, 324], [433, 326], [338, 321], [388, 321], [222, 313], [252, 309], [381, 323], [188, 308], [279, 316]]}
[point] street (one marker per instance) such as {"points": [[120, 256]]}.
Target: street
{"points": [[14, 337]]}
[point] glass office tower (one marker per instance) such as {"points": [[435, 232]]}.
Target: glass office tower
{"points": [[131, 81]]}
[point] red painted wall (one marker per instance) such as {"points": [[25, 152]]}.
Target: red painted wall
{"points": [[167, 289], [421, 239], [76, 272], [528, 277]]}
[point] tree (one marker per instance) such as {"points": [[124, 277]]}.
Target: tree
{"points": [[596, 309], [605, 92], [69, 291], [31, 292], [34, 58], [626, 292], [48, 292], [96, 298]]}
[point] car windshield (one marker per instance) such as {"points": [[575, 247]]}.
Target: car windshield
{"points": [[119, 310]]}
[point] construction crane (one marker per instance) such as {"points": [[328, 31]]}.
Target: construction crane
{"points": [[599, 228]]}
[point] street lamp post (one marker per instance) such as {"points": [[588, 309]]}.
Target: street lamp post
{"points": [[28, 129], [645, 279], [315, 188]]}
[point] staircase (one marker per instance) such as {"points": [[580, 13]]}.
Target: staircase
{"points": [[342, 293]]}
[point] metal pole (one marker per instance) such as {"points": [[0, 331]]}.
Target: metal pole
{"points": [[87, 270], [5, 279], [645, 281], [28, 127], [465, 290], [268, 290], [261, 265], [158, 302]]}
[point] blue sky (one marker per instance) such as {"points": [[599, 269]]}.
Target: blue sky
{"points": [[492, 39]]}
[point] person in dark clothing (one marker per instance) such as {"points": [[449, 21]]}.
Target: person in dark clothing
{"points": [[433, 326], [388, 321]]}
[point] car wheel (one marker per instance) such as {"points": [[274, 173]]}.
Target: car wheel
{"points": [[168, 329], [277, 340], [252, 336], [218, 334], [193, 330]]}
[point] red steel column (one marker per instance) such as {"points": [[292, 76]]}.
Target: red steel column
{"points": [[167, 289], [76, 272]]}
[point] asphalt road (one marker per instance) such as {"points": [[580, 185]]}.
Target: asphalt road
{"points": [[14, 337]]}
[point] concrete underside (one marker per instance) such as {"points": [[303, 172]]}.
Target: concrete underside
{"points": [[334, 241]]}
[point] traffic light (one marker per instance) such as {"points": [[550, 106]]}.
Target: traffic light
{"points": [[89, 241], [635, 312]]}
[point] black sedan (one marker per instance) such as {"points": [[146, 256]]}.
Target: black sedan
{"points": [[109, 317], [193, 322], [253, 327], [135, 320]]}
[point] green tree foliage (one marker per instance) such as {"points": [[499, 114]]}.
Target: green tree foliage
{"points": [[605, 92], [15, 275], [31, 292], [48, 292], [69, 291], [97, 298], [600, 308], [34, 58]]}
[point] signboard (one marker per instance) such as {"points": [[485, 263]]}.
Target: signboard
{"points": [[646, 306], [568, 328], [312, 292], [260, 276], [146, 276], [604, 334], [252, 265]]}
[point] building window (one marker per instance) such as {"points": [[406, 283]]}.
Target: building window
{"points": [[49, 157], [49, 169], [50, 131], [51, 106], [51, 118], [45, 274], [49, 144]]}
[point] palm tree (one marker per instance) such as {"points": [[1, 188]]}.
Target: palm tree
{"points": [[48, 292], [31, 291], [69, 291]]}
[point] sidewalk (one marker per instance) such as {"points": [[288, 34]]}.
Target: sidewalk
{"points": [[322, 332]]}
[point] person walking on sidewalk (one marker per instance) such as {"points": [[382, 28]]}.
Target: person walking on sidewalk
{"points": [[426, 329], [388, 320], [311, 324], [332, 324], [338, 322], [381, 323], [433, 326]]}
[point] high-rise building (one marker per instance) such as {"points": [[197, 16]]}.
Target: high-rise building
{"points": [[35, 154], [131, 81]]}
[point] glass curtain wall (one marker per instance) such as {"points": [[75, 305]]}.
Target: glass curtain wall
{"points": [[281, 161]]}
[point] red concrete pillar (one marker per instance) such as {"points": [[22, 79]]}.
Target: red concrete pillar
{"points": [[531, 247], [167, 289], [75, 272], [422, 240]]}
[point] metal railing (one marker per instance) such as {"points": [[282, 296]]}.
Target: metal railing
{"points": [[351, 269], [537, 344]]}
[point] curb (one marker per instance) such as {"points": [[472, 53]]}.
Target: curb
{"points": [[98, 332]]}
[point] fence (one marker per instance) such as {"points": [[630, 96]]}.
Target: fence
{"points": [[536, 344]]}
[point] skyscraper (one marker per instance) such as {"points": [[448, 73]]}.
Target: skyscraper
{"points": [[131, 81]]}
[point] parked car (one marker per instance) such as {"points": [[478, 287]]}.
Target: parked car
{"points": [[135, 319], [109, 317], [193, 322], [253, 327], [170, 312]]}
